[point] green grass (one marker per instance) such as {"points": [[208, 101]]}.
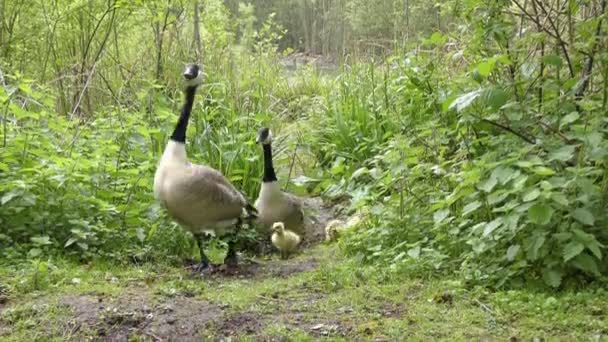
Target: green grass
{"points": [[334, 300]]}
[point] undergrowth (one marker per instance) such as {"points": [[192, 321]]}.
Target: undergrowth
{"points": [[473, 153]]}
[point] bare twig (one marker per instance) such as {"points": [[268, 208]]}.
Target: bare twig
{"points": [[530, 140], [555, 33], [586, 76], [560, 41]]}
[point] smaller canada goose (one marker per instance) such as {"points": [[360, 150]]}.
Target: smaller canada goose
{"points": [[273, 204], [198, 197], [285, 240]]}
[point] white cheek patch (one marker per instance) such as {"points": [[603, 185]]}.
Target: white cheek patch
{"points": [[195, 81]]}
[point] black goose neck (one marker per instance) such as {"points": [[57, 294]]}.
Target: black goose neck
{"points": [[179, 134], [269, 175]]}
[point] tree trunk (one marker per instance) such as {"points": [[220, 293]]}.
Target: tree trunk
{"points": [[197, 33]]}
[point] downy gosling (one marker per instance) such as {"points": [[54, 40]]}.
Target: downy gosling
{"points": [[284, 240]]}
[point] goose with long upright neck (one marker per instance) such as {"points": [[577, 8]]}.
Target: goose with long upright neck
{"points": [[273, 204], [198, 197]]}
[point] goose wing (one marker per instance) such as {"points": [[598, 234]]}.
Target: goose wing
{"points": [[294, 218], [206, 197]]}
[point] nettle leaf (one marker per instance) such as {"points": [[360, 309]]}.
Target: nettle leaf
{"points": [[70, 242], [531, 195], [540, 213], [414, 253], [589, 241], [586, 263], [559, 198], [564, 153], [491, 226], [485, 68], [552, 277], [488, 185], [440, 215], [568, 119], [543, 171], [504, 174], [465, 100], [141, 235], [512, 252], [497, 197], [469, 208], [584, 216], [41, 240], [7, 197], [572, 249], [495, 97], [535, 246], [553, 60]]}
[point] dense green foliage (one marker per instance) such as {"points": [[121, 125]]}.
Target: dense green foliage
{"points": [[478, 149]]}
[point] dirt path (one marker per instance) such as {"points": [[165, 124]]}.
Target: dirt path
{"points": [[150, 309], [316, 295]]}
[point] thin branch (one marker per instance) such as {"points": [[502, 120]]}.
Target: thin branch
{"points": [[586, 76], [556, 35], [560, 41], [529, 140]]}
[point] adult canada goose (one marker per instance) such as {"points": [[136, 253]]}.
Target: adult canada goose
{"points": [[198, 197], [274, 205]]}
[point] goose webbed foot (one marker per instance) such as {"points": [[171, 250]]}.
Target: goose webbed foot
{"points": [[203, 268]]}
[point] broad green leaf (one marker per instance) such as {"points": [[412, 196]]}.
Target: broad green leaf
{"points": [[485, 68], [540, 213], [534, 248], [437, 39], [568, 119], [495, 97], [491, 226], [488, 185], [584, 216], [141, 235], [589, 241], [544, 171], [414, 253], [572, 249], [9, 196], [34, 252], [531, 195], [564, 153], [41, 240], [587, 263], [70, 242], [465, 100], [512, 252], [497, 197], [504, 174], [440, 215], [560, 198], [553, 60], [552, 277], [469, 208]]}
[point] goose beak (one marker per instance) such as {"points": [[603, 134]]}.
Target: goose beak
{"points": [[258, 140]]}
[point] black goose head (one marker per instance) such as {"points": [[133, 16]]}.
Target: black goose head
{"points": [[264, 136], [193, 75]]}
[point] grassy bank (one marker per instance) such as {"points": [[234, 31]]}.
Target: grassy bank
{"points": [[317, 295]]}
